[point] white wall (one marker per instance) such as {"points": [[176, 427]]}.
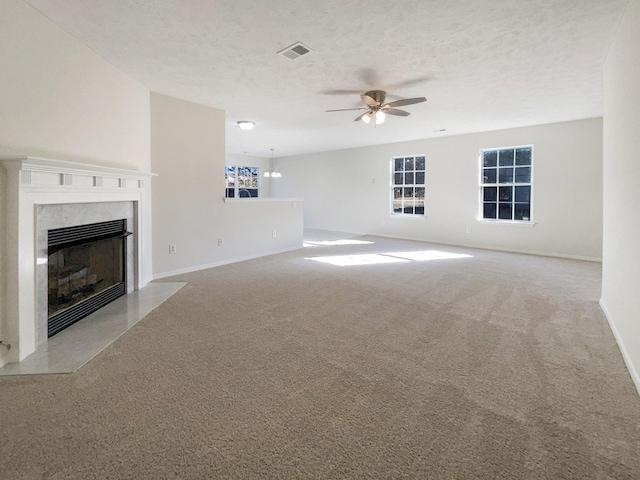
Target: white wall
{"points": [[348, 190], [621, 254], [60, 100], [188, 154]]}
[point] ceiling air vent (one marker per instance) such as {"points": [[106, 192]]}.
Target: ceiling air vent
{"points": [[295, 51]]}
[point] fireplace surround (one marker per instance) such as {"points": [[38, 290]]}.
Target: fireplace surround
{"points": [[39, 195]]}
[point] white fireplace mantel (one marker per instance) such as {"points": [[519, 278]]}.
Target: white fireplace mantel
{"points": [[28, 183]]}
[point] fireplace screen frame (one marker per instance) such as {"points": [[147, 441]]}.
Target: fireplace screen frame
{"points": [[81, 235]]}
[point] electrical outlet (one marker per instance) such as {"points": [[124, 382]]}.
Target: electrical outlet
{"points": [[219, 242], [173, 248], [274, 234]]}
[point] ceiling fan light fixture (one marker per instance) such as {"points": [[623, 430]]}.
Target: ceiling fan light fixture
{"points": [[246, 125], [380, 116], [366, 118]]}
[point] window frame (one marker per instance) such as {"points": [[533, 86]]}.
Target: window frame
{"points": [[513, 184], [236, 183], [393, 185]]}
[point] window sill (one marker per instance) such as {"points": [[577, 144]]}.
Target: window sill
{"points": [[518, 223], [407, 216], [262, 199]]}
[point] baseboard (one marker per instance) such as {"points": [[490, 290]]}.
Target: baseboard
{"points": [[625, 355], [159, 276], [493, 249]]}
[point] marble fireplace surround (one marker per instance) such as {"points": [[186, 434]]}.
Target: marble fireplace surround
{"points": [[40, 194]]}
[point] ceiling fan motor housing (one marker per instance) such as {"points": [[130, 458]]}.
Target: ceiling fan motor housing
{"points": [[378, 95]]}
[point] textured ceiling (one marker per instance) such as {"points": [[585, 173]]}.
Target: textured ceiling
{"points": [[482, 64]]}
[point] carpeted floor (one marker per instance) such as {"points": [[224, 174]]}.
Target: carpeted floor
{"points": [[486, 366]]}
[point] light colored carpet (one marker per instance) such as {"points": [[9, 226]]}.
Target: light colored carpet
{"points": [[490, 366]]}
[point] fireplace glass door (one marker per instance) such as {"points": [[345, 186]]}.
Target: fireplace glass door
{"points": [[83, 276]]}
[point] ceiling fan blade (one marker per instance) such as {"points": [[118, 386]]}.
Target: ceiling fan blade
{"points": [[395, 111], [346, 109], [406, 101], [359, 117], [407, 83], [369, 100]]}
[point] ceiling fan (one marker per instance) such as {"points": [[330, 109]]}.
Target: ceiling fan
{"points": [[376, 109]]}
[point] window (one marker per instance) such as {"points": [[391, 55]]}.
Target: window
{"points": [[505, 184], [407, 185], [242, 182]]}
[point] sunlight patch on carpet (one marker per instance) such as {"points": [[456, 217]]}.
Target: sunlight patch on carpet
{"points": [[388, 257], [333, 243]]}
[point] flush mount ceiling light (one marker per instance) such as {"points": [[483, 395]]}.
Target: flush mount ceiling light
{"points": [[246, 124]]}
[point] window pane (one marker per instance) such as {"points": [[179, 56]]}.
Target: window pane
{"points": [[505, 194], [230, 192], [523, 156], [397, 200], [489, 210], [419, 200], [398, 164], [229, 176], [489, 175], [419, 163], [505, 157], [408, 163], [419, 210], [521, 211], [409, 200], [243, 176], [398, 178], [408, 178], [523, 194], [490, 194], [505, 175], [420, 178], [504, 211], [523, 174], [490, 159], [408, 194]]}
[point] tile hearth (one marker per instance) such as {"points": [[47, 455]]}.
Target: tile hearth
{"points": [[70, 349]]}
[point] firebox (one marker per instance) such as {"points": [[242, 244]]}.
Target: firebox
{"points": [[86, 271]]}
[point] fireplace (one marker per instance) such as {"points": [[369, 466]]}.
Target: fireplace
{"points": [[39, 195], [86, 270]]}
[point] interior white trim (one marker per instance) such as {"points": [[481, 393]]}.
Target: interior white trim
{"points": [[263, 199], [222, 262], [506, 222], [625, 355], [511, 250], [30, 182]]}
